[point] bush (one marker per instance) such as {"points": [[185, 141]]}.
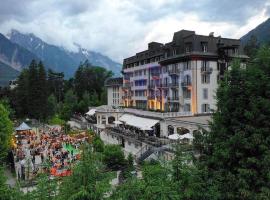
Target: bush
{"points": [[114, 157], [56, 120], [98, 144]]}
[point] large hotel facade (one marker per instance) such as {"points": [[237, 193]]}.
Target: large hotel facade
{"points": [[179, 76], [166, 94]]}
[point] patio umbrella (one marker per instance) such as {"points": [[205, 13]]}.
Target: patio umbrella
{"points": [[117, 122], [174, 136], [186, 136]]}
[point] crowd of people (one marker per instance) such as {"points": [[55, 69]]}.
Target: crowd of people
{"points": [[48, 150]]}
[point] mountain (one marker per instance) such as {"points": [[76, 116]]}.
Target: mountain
{"points": [[59, 59], [14, 55], [262, 33], [7, 73]]}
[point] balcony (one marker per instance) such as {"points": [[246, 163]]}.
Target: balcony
{"points": [[207, 70], [174, 72], [173, 98], [163, 85], [174, 85], [156, 74], [126, 85], [186, 84]]}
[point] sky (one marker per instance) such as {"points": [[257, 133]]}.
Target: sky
{"points": [[120, 28]]}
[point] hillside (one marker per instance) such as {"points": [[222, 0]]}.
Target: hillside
{"points": [[7, 73], [14, 55], [59, 59], [262, 33]]}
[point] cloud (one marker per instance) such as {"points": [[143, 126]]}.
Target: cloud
{"points": [[120, 28]]}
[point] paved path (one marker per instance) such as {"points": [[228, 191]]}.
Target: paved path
{"points": [[11, 180]]}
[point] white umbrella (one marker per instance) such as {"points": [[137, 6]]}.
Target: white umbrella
{"points": [[174, 136], [186, 136], [117, 122]]}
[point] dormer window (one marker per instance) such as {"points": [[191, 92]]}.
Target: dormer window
{"points": [[235, 51], [204, 46], [174, 52], [188, 48]]}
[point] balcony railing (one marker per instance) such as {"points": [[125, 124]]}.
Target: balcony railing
{"points": [[163, 85], [155, 74], [207, 70], [174, 72], [173, 98], [185, 83], [156, 114], [126, 85], [175, 84]]}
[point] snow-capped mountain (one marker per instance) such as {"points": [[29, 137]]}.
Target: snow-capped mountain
{"points": [[59, 59]]}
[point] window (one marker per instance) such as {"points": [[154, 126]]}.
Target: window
{"points": [[186, 65], [205, 108], [188, 47], [205, 65], [174, 52], [187, 107], [187, 94], [165, 69], [205, 78], [205, 93], [204, 46]]}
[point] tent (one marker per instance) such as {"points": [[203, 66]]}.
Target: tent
{"points": [[91, 112], [23, 127]]}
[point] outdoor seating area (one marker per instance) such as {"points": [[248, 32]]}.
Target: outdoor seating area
{"points": [[139, 135], [47, 150]]}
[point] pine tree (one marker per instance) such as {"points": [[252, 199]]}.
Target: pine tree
{"points": [[42, 89], [6, 129], [236, 154]]}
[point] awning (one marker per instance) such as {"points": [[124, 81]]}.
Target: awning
{"points": [[139, 122], [91, 112], [23, 127]]}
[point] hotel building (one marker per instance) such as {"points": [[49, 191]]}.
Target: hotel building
{"points": [[179, 76]]}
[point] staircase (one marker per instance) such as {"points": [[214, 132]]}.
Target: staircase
{"points": [[147, 151]]}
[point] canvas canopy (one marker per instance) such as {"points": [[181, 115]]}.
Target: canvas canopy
{"points": [[91, 112], [139, 122], [23, 127]]}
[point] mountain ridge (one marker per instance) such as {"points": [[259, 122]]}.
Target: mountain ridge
{"points": [[262, 33], [60, 59]]}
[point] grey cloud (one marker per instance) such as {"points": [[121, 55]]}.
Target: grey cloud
{"points": [[14, 9]]}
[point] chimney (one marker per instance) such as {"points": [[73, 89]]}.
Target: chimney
{"points": [[211, 34]]}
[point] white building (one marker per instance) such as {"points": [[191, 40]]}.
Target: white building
{"points": [[114, 91]]}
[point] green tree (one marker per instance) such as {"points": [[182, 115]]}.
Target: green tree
{"points": [[46, 189], [20, 95], [236, 154], [98, 144], [84, 103], [6, 129], [89, 180], [52, 106], [114, 157], [42, 90], [90, 79], [252, 46], [69, 106]]}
